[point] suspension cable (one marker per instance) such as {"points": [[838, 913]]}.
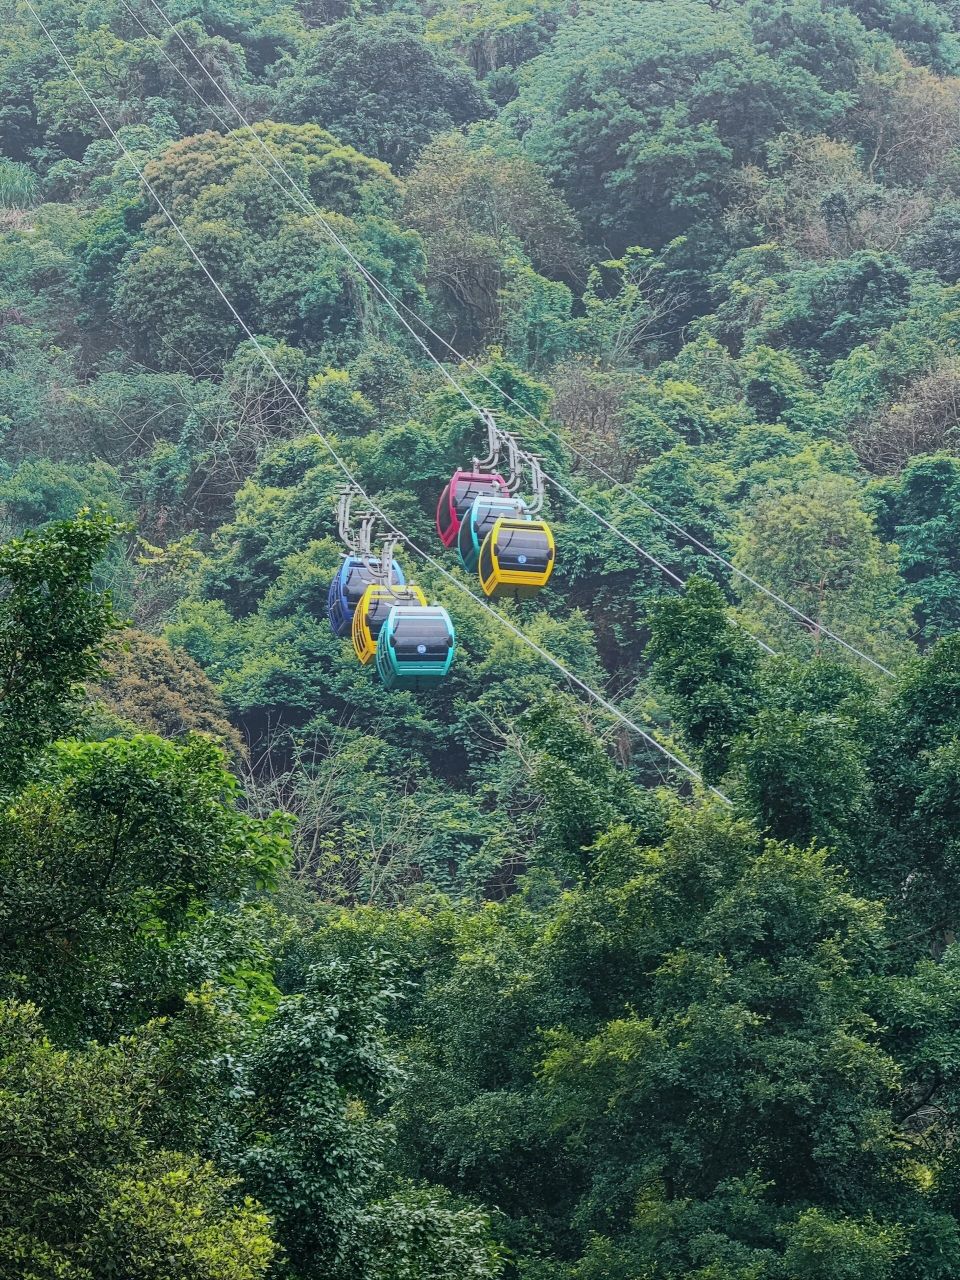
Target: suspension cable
{"points": [[392, 300], [548, 657]]}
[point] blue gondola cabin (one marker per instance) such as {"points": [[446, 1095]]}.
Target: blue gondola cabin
{"points": [[355, 574]]}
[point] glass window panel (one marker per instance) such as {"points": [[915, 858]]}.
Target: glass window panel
{"points": [[467, 490], [524, 548], [443, 509], [358, 579], [420, 637]]}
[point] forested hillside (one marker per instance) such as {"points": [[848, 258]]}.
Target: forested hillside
{"points": [[641, 969]]}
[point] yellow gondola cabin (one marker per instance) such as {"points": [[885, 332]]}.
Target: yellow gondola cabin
{"points": [[371, 613], [516, 558]]}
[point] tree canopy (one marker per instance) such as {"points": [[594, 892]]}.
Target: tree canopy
{"points": [[306, 978]]}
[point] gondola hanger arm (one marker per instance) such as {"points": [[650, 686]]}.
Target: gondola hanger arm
{"points": [[494, 440], [535, 505], [387, 549], [347, 493]]}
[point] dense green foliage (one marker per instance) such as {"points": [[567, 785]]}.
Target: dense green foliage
{"points": [[303, 978]]}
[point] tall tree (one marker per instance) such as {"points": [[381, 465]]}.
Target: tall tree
{"points": [[381, 86]]}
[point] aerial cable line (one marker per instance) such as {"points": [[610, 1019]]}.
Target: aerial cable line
{"points": [[387, 295], [392, 299], [343, 467]]}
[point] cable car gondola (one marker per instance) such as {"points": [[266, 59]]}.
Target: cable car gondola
{"points": [[516, 558], [351, 580], [457, 499], [359, 568], [480, 519], [415, 647], [371, 613]]}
